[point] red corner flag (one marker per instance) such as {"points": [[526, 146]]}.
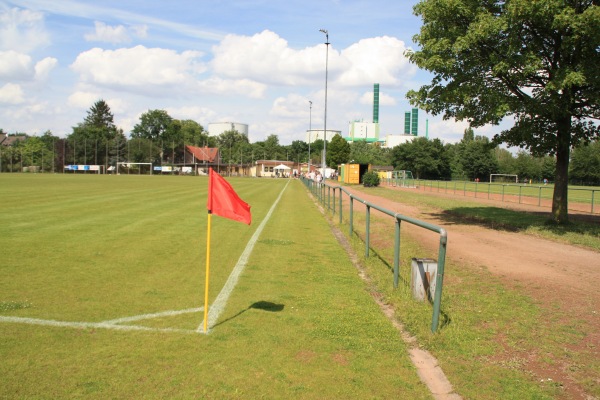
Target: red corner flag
{"points": [[224, 201]]}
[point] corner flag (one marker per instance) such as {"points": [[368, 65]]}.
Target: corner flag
{"points": [[222, 201]]}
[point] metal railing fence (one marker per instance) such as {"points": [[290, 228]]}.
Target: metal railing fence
{"points": [[326, 194], [580, 199]]}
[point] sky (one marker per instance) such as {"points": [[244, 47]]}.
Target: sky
{"points": [[256, 62]]}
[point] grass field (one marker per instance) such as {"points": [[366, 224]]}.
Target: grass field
{"points": [[299, 324], [91, 249]]}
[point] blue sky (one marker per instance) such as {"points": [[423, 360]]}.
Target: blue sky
{"points": [[257, 62]]}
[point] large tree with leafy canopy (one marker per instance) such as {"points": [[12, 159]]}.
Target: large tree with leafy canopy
{"points": [[533, 60], [91, 140]]}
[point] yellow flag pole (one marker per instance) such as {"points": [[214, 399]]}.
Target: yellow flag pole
{"points": [[207, 274]]}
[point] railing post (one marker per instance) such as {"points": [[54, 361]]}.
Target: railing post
{"points": [[439, 281], [341, 204], [593, 192], [333, 201], [367, 231], [539, 196], [397, 252], [520, 187], [351, 215]]}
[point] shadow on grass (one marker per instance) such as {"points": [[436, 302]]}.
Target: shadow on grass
{"points": [[514, 221], [259, 305]]}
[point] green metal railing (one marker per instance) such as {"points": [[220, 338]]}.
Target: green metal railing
{"points": [[326, 194]]}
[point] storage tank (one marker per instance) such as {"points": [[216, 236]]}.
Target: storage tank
{"points": [[216, 128]]}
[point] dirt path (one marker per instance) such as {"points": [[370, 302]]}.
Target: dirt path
{"points": [[555, 275]]}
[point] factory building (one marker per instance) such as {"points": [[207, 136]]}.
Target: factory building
{"points": [[366, 131]]}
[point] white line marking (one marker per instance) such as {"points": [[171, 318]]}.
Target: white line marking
{"points": [[149, 316], [218, 305], [101, 325]]}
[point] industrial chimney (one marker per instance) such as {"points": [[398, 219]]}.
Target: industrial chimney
{"points": [[376, 103]]}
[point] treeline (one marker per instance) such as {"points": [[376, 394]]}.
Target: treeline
{"points": [[160, 139]]}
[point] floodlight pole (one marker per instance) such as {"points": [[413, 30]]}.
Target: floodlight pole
{"points": [[309, 131], [323, 161]]}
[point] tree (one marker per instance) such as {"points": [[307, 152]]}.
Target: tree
{"points": [[506, 161], [585, 164], [536, 61], [299, 149], [476, 158], [362, 152], [273, 149], [157, 126], [193, 134], [426, 159], [338, 151], [90, 139], [153, 125], [100, 116], [231, 144]]}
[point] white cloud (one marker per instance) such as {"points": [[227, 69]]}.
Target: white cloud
{"points": [[43, 68], [291, 106], [376, 60], [242, 87], [18, 66], [22, 30], [108, 34], [452, 131], [384, 99], [139, 31], [15, 66], [116, 34], [83, 100], [140, 70], [195, 113], [266, 57], [11, 93]]}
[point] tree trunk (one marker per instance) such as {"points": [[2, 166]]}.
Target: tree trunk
{"points": [[560, 201]]}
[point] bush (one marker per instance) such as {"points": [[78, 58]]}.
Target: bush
{"points": [[371, 179]]}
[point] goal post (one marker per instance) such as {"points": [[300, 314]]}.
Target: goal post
{"points": [[134, 168], [502, 178]]}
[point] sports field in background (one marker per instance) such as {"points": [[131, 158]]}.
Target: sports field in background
{"points": [[129, 251]]}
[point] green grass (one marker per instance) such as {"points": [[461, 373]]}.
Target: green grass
{"points": [[299, 324]]}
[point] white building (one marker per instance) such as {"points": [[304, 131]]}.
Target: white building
{"points": [[216, 128], [359, 130], [395, 140], [317, 134]]}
